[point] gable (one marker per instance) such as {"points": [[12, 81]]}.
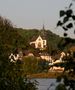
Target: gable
{"points": [[39, 39]]}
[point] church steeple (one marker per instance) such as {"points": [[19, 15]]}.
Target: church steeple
{"points": [[43, 31], [43, 27]]}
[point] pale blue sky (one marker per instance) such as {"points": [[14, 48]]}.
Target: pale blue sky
{"points": [[33, 13]]}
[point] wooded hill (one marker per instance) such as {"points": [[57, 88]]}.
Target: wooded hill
{"points": [[52, 39], [54, 42], [12, 38]]}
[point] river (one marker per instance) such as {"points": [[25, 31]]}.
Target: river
{"points": [[46, 84]]}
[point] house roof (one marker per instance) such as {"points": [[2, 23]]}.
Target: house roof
{"points": [[27, 52], [72, 48], [56, 57]]}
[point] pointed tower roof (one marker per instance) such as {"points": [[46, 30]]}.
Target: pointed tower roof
{"points": [[43, 27], [43, 32]]}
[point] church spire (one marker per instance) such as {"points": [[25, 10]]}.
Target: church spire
{"points": [[43, 31], [43, 28]]}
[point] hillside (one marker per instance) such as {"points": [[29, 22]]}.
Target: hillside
{"points": [[52, 39], [55, 43], [12, 38]]}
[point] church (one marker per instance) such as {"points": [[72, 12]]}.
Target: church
{"points": [[40, 42]]}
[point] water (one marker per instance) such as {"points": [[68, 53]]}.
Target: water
{"points": [[46, 84]]}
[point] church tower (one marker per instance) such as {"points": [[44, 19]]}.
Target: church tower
{"points": [[43, 31], [40, 42]]}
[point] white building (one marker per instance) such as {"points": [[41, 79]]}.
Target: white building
{"points": [[40, 42], [46, 56], [16, 57]]}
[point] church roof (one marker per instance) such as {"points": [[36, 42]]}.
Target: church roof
{"points": [[42, 34], [35, 37]]}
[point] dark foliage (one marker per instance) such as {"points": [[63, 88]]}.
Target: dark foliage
{"points": [[69, 60], [11, 74], [62, 13]]}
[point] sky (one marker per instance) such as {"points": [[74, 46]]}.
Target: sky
{"points": [[32, 14]]}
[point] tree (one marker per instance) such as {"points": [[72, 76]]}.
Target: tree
{"points": [[67, 23], [11, 74], [32, 65], [67, 19]]}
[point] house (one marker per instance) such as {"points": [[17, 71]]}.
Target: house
{"points": [[15, 57], [46, 56], [40, 42], [57, 69], [28, 53]]}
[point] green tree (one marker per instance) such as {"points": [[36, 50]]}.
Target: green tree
{"points": [[61, 87], [69, 64], [33, 65], [11, 74]]}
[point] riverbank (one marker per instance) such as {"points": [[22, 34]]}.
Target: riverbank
{"points": [[51, 75], [45, 75]]}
